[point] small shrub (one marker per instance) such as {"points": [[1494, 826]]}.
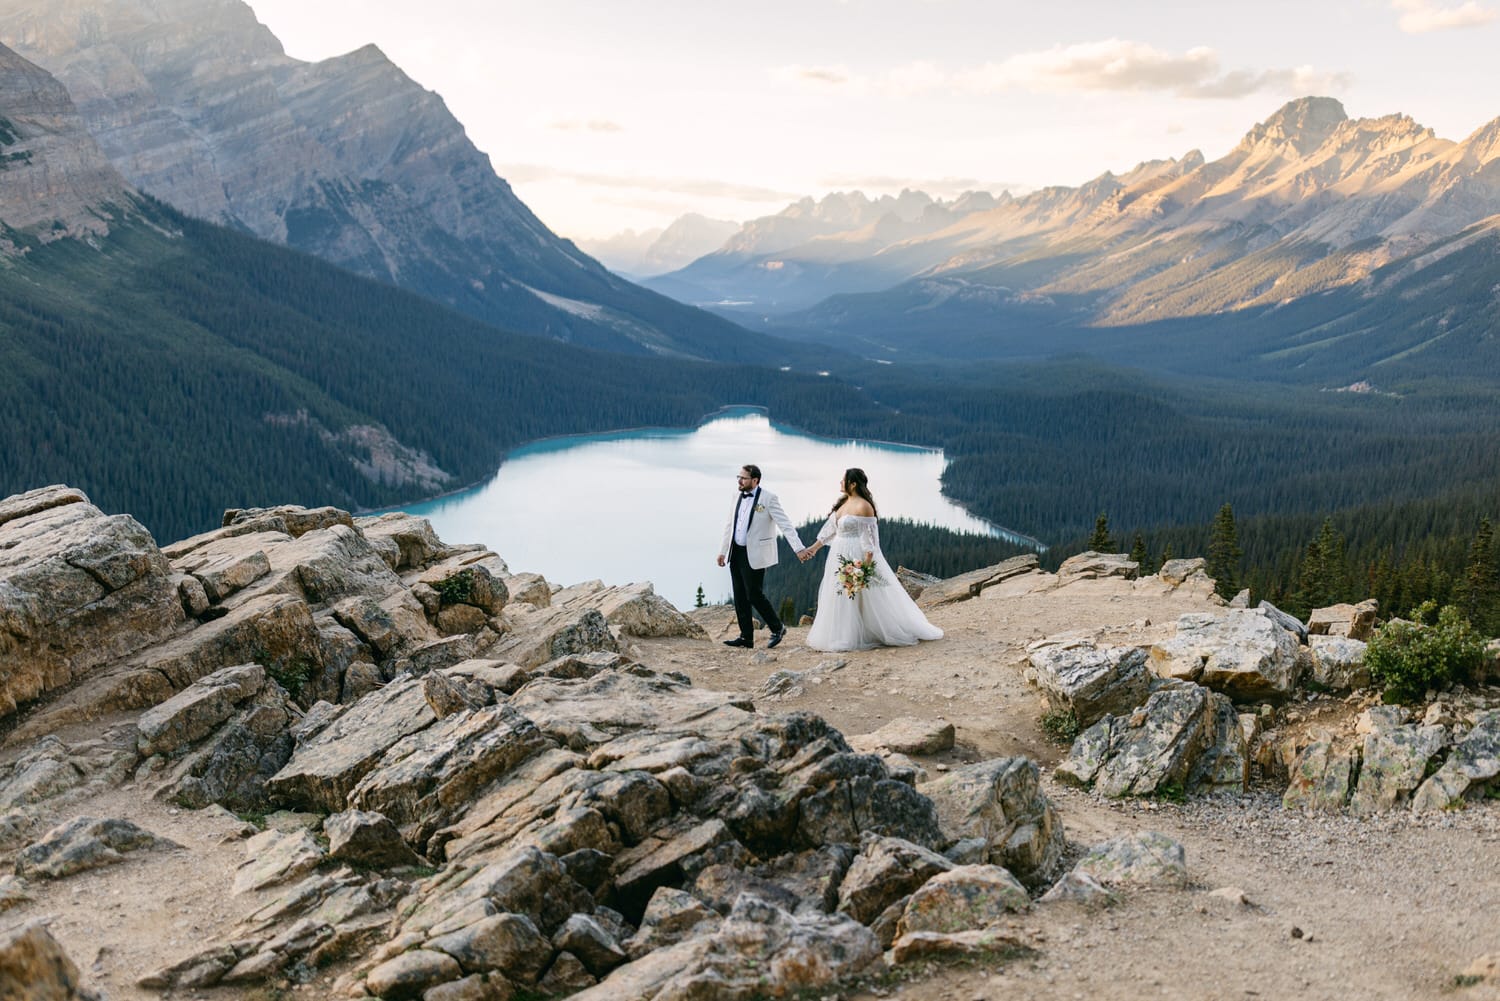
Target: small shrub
{"points": [[458, 589], [1408, 658], [293, 673], [1060, 724]]}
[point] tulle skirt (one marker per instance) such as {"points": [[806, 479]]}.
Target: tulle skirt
{"points": [[883, 614]]}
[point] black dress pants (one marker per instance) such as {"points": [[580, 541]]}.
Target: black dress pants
{"points": [[747, 583]]}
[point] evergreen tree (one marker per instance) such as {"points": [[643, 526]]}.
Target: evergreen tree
{"points": [[1224, 554], [1479, 590], [1100, 542], [1166, 554], [788, 612], [1138, 554], [699, 600], [1323, 575]]}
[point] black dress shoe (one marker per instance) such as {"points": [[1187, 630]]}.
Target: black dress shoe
{"points": [[739, 641], [776, 638]]}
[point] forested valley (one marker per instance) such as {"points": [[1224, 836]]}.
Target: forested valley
{"points": [[177, 368]]}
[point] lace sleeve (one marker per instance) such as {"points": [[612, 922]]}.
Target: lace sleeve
{"points": [[829, 528], [869, 535]]}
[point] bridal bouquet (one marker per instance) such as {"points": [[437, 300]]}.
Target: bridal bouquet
{"points": [[855, 575]]}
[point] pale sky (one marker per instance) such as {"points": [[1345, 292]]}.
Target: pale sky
{"points": [[608, 114]]}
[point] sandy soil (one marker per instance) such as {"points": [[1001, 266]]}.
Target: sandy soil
{"points": [[1392, 908]]}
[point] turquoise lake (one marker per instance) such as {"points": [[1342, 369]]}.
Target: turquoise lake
{"points": [[651, 505]]}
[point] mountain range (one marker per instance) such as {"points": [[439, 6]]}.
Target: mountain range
{"points": [[1312, 216], [194, 102]]}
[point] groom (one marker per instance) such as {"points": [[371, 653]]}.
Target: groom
{"points": [[750, 546]]}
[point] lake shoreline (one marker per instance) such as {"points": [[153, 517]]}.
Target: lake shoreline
{"points": [[631, 505]]}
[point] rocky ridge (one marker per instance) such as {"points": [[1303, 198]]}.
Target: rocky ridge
{"points": [[492, 791]]}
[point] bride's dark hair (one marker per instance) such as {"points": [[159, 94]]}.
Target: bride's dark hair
{"points": [[857, 479]]}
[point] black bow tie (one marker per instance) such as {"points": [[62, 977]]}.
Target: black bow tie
{"points": [[744, 495]]}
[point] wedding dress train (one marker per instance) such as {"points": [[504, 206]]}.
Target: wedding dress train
{"points": [[883, 614]]}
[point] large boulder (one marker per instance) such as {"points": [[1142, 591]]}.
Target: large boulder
{"points": [[885, 871], [1322, 778], [324, 769], [34, 967], [1355, 622], [78, 589], [1394, 762], [1089, 680], [1093, 566], [633, 609], [967, 898], [535, 636], [1143, 859], [971, 584], [1472, 769], [1002, 803], [760, 950], [1338, 663], [1167, 747], [195, 711], [85, 843], [1246, 654]]}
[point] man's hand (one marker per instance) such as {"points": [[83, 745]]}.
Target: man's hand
{"points": [[721, 559]]}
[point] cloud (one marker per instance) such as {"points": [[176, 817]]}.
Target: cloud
{"points": [[1116, 65], [591, 125], [1113, 65], [816, 75], [1421, 16], [532, 173]]}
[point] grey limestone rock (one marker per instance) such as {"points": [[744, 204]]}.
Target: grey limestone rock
{"points": [[1001, 803], [965, 898], [1143, 859], [1089, 680], [971, 584], [85, 843], [78, 589], [1160, 747], [886, 870], [195, 711], [1092, 566], [1472, 768], [367, 839], [1393, 764]]}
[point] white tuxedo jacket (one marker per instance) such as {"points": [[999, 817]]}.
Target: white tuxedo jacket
{"points": [[766, 517]]}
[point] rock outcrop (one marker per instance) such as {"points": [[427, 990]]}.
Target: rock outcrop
{"points": [[54, 179]]}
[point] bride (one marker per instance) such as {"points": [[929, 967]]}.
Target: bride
{"points": [[880, 614]]}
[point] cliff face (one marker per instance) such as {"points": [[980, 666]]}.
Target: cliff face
{"points": [[196, 103], [54, 181]]}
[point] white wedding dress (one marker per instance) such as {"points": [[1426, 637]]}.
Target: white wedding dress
{"points": [[883, 614]]}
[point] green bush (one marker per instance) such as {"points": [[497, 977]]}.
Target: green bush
{"points": [[1060, 724], [1408, 658]]}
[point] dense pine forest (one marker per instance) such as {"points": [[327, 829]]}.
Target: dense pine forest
{"points": [[176, 368]]}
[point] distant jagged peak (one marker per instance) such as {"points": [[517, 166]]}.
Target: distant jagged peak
{"points": [[1484, 144], [1383, 132], [1302, 125]]}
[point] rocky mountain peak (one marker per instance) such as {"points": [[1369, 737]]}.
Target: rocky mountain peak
{"points": [[54, 180], [1484, 144], [220, 29], [1301, 125]]}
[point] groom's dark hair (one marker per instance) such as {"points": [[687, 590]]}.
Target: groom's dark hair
{"points": [[752, 469]]}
